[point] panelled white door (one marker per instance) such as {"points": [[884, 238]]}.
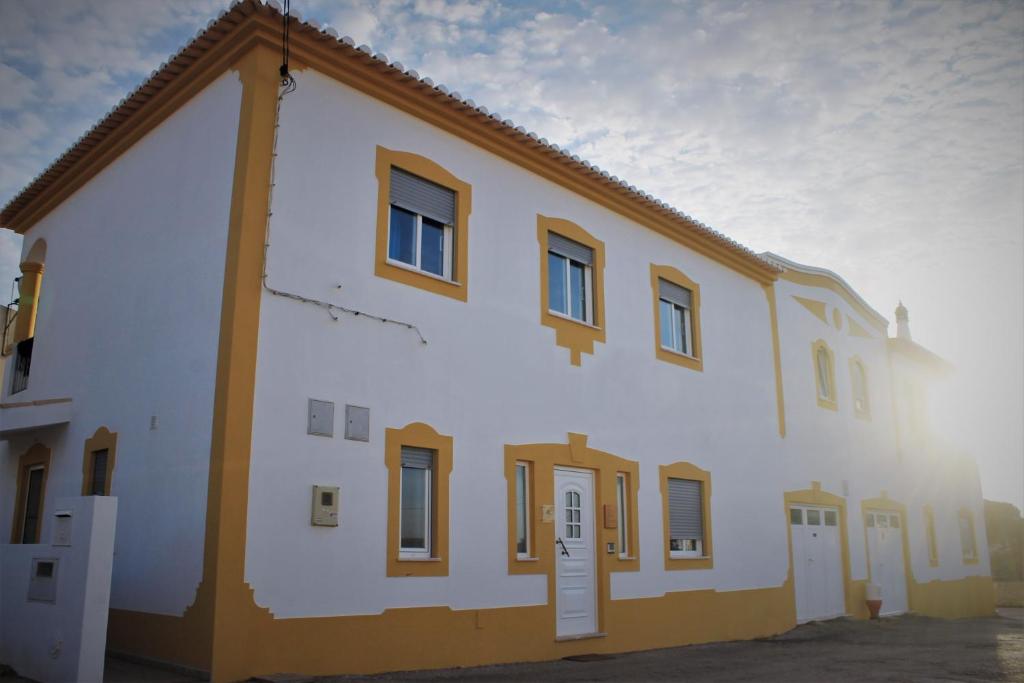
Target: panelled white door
{"points": [[575, 580], [885, 554], [817, 562]]}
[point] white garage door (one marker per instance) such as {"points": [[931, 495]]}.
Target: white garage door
{"points": [[885, 553], [817, 562]]}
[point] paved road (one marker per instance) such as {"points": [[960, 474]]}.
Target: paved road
{"points": [[901, 649]]}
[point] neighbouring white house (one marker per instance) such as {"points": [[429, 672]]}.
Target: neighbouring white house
{"points": [[382, 381]]}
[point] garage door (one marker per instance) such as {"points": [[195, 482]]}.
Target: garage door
{"points": [[885, 554], [817, 562]]}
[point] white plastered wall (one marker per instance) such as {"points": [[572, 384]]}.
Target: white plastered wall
{"points": [[128, 328], [491, 375]]}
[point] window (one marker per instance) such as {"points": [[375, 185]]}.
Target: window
{"points": [[522, 509], [674, 303], [30, 497], [98, 460], [419, 462], [422, 224], [968, 544], [859, 382], [416, 511], [686, 493], [676, 317], [824, 374], [929, 527], [22, 365], [570, 280], [622, 508], [420, 232], [571, 285]]}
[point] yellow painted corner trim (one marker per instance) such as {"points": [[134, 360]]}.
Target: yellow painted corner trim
{"points": [[677, 277], [857, 366], [825, 282], [930, 536], [37, 455], [968, 514], [686, 470], [817, 308], [102, 439], [28, 300], [855, 329], [853, 590], [543, 458], [576, 336], [423, 167], [827, 403], [419, 435], [780, 399]]}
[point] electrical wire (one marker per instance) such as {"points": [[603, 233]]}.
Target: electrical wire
{"points": [[288, 86]]}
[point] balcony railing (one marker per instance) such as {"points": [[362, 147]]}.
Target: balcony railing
{"points": [[22, 366]]}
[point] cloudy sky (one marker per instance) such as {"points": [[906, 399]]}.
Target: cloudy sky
{"points": [[883, 140]]}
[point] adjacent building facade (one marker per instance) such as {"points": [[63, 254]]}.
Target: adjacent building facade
{"points": [[383, 382]]}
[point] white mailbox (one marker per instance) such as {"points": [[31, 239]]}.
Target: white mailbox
{"points": [[62, 528]]}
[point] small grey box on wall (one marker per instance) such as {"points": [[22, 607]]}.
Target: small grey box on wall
{"points": [[42, 583], [357, 423], [321, 418]]}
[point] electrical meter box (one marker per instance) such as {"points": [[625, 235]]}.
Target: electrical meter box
{"points": [[42, 582], [325, 506]]}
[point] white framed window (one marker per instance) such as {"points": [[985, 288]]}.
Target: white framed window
{"points": [[420, 225], [622, 500], [522, 509], [416, 507], [573, 511], [570, 279], [675, 317], [686, 518]]}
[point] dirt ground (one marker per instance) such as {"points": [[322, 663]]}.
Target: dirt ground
{"points": [[905, 648]]}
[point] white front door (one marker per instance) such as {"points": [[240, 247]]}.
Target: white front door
{"points": [[817, 562], [575, 581], [885, 553]]}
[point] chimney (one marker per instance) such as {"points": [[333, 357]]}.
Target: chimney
{"points": [[902, 323]]}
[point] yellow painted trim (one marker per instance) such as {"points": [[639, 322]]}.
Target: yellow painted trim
{"points": [[817, 308], [677, 277], [968, 514], [28, 300], [855, 329], [425, 168], [863, 413], [853, 590], [686, 470], [825, 282], [102, 439], [419, 435], [780, 399], [571, 334], [543, 459], [36, 455], [828, 404], [930, 537]]}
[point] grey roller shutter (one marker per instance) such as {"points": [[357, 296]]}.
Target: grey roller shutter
{"points": [[421, 458], [685, 509], [99, 472], [421, 196], [570, 249], [674, 293]]}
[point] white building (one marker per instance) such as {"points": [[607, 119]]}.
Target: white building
{"points": [[445, 384]]}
